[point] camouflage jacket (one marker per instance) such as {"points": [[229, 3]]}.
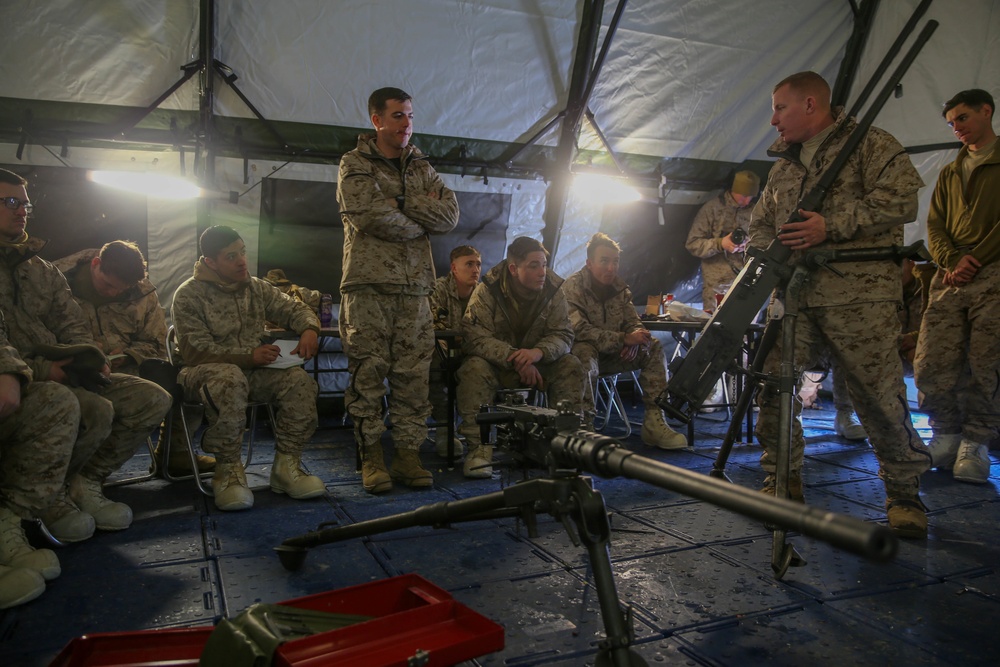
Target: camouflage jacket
{"points": [[601, 323], [383, 245], [716, 219], [487, 328], [964, 221], [38, 306], [447, 308], [10, 361], [873, 196], [217, 322], [132, 322]]}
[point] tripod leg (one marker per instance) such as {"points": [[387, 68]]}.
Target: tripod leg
{"points": [[767, 340], [591, 518], [782, 554]]}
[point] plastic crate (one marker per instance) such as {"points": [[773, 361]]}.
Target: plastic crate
{"points": [[410, 616]]}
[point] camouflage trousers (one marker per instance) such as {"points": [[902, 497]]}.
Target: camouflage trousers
{"points": [[861, 339], [957, 365], [114, 422], [652, 372], [387, 337], [479, 380], [36, 443], [225, 389]]}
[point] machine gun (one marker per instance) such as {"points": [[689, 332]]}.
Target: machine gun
{"points": [[552, 440], [694, 376]]}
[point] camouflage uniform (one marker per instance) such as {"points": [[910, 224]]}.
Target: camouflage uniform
{"points": [[132, 322], [218, 326], [853, 316], [36, 441], [116, 419], [447, 309], [717, 219], [600, 326], [957, 364], [488, 339], [385, 318]]}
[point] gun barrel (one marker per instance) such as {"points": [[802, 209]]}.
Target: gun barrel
{"points": [[604, 456]]}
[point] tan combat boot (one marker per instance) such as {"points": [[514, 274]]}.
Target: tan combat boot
{"points": [[287, 476], [374, 477], [88, 495], [230, 487], [65, 522], [441, 443], [19, 585], [907, 517], [794, 487], [478, 462], [15, 552], [406, 468], [656, 433]]}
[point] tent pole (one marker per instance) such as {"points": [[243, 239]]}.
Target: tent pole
{"points": [[863, 18], [582, 84]]}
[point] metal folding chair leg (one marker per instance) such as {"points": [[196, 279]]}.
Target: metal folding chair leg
{"points": [[154, 468], [606, 399]]}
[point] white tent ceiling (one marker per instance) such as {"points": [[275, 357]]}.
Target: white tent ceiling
{"points": [[682, 79]]}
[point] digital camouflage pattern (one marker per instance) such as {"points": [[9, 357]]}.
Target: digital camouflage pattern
{"points": [[600, 327], [132, 322], [854, 316], [488, 339], [218, 322], [447, 309], [957, 363], [39, 308], [384, 245], [385, 318], [387, 336], [217, 326], [224, 391], [36, 440], [716, 219], [872, 198]]}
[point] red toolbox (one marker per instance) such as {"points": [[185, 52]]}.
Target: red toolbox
{"points": [[411, 616]]}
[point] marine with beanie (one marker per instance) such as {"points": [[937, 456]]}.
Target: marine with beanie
{"points": [[609, 337], [957, 363], [711, 235], [516, 333], [219, 315], [853, 315], [391, 200], [49, 332]]}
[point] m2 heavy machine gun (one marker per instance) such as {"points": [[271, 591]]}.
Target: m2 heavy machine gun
{"points": [[694, 376], [552, 440]]}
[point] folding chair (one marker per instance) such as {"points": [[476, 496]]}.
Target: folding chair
{"points": [[179, 404], [606, 399]]}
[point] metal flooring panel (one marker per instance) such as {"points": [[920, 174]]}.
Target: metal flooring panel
{"points": [[938, 618], [828, 573], [701, 523], [545, 618], [685, 589], [259, 577], [815, 634], [454, 559]]}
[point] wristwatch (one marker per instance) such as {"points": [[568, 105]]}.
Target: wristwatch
{"points": [[400, 200]]}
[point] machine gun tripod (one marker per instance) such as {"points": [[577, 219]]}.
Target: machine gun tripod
{"points": [[551, 439]]}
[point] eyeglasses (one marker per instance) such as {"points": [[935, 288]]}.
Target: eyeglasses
{"points": [[13, 203]]}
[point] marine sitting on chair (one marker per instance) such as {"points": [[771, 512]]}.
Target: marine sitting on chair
{"points": [[219, 316], [610, 338], [515, 333]]}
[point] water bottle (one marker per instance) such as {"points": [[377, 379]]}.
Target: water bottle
{"points": [[325, 310]]}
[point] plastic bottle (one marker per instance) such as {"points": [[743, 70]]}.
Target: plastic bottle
{"points": [[325, 310]]}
